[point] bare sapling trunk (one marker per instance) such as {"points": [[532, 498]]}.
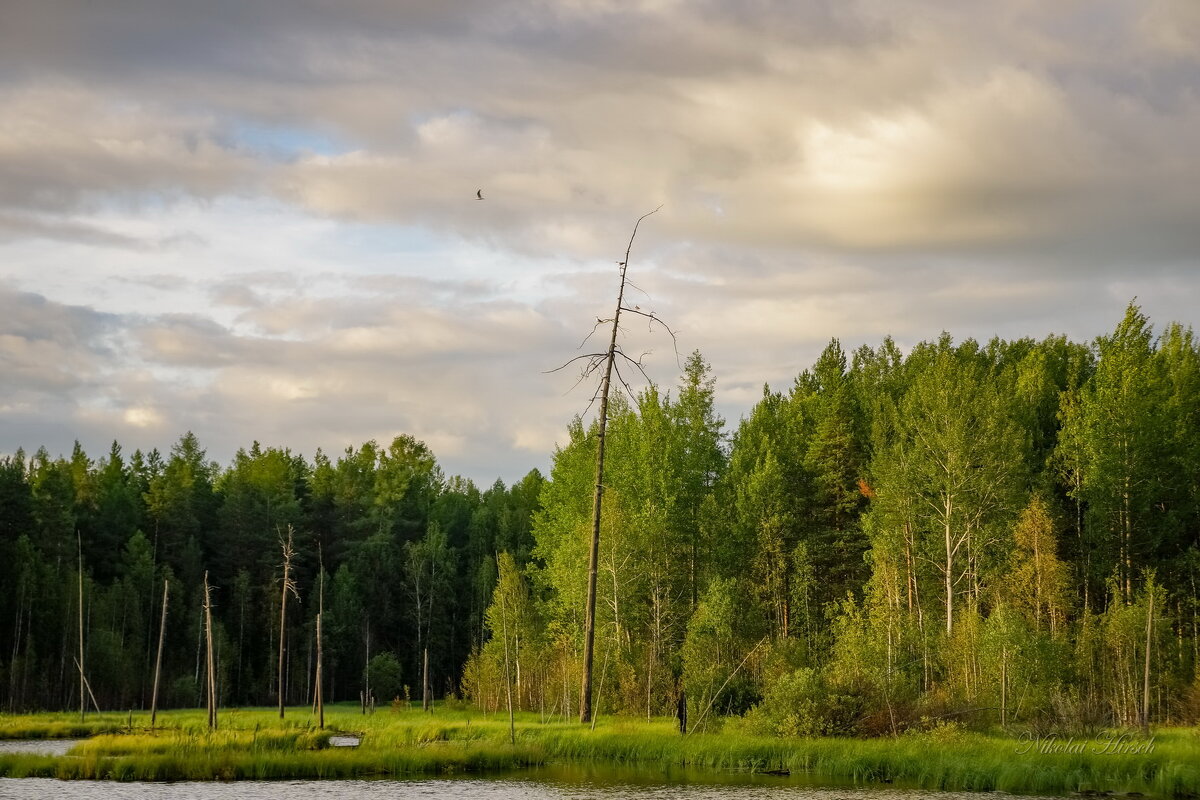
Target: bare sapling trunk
{"points": [[606, 364], [366, 692], [320, 691], [603, 672], [1146, 672], [713, 698], [162, 629], [320, 696], [210, 677], [512, 730], [82, 680], [1004, 686], [87, 685], [289, 585]]}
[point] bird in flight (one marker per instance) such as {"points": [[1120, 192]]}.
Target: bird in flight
{"points": [[479, 194]]}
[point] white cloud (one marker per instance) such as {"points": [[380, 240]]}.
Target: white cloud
{"points": [[142, 417], [261, 224]]}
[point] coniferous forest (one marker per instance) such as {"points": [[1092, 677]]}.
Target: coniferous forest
{"points": [[1004, 532]]}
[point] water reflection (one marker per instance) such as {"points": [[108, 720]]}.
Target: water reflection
{"points": [[456, 789]]}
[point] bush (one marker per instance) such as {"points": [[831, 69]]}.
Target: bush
{"points": [[800, 703], [384, 671], [183, 692]]}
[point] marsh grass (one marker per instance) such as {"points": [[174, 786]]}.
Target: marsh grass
{"points": [[255, 744], [59, 726]]}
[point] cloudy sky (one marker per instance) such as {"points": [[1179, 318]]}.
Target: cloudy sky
{"points": [[256, 219]]}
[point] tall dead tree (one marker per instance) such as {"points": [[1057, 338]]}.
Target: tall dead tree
{"points": [[606, 364], [162, 629], [289, 585], [82, 679], [319, 694], [210, 672]]}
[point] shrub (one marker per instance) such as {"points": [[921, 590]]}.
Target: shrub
{"points": [[384, 671], [800, 703]]}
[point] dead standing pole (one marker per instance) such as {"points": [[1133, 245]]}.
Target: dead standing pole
{"points": [[289, 585], [607, 363], [162, 629], [82, 679], [320, 697], [210, 678]]}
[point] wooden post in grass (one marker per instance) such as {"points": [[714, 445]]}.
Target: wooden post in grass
{"points": [[162, 628], [426, 688]]}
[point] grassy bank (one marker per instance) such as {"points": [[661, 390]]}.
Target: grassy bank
{"points": [[255, 744]]}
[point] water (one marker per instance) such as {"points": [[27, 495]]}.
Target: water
{"points": [[543, 787], [575, 782], [38, 747]]}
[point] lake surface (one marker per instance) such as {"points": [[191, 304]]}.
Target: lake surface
{"points": [[544, 787], [38, 747]]}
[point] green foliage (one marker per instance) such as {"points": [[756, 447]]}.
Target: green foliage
{"points": [[800, 703], [713, 649], [977, 532], [385, 676]]}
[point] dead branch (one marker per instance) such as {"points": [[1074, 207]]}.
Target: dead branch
{"points": [[569, 362]]}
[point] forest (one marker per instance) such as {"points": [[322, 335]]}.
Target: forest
{"points": [[1003, 533]]}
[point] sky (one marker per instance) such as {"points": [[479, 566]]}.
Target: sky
{"points": [[257, 219]]}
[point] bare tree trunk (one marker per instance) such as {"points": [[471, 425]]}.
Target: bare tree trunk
{"points": [[320, 678], [88, 686], [150, 616], [949, 569], [82, 679], [426, 689], [1146, 672], [609, 357], [16, 651], [288, 586], [512, 731], [162, 628], [320, 652], [589, 624], [1004, 686], [366, 692], [210, 679]]}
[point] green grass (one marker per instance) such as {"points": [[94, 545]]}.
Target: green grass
{"points": [[255, 744], [50, 725]]}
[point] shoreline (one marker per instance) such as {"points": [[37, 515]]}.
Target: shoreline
{"points": [[252, 744]]}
